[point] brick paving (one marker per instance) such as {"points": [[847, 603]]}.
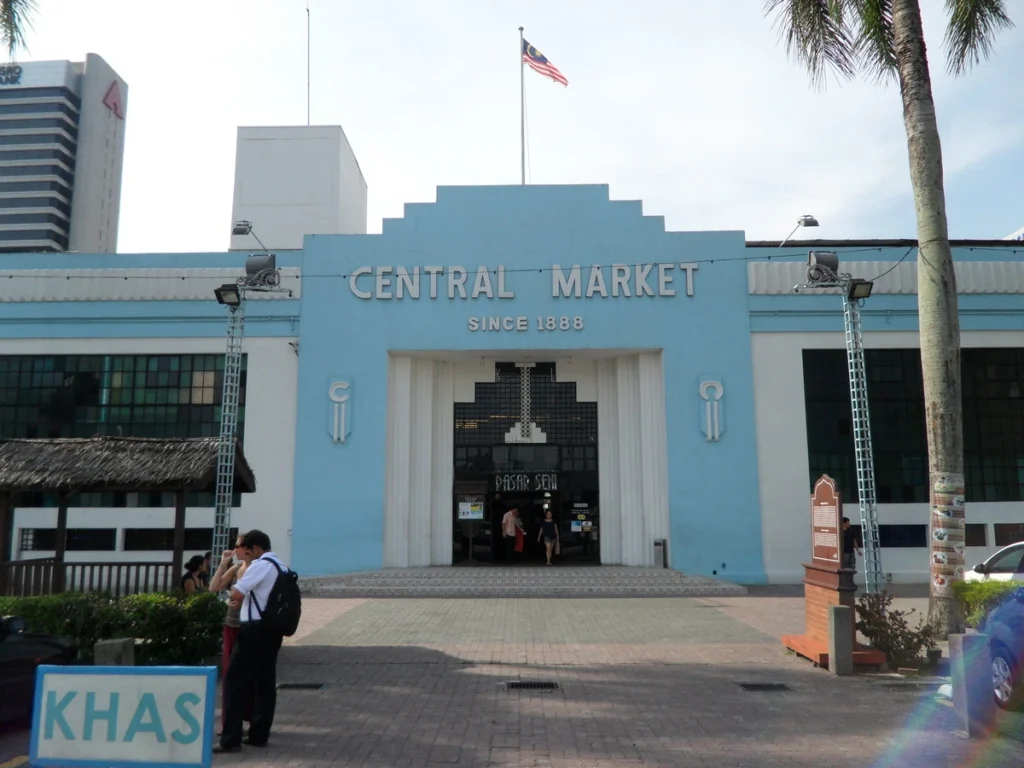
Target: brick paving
{"points": [[318, 613], [419, 683], [651, 682]]}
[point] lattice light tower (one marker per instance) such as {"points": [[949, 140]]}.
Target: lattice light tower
{"points": [[261, 276], [823, 272]]}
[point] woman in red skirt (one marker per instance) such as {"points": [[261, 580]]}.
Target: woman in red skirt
{"points": [[225, 577]]}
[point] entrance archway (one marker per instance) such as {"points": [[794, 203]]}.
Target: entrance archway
{"points": [[525, 443]]}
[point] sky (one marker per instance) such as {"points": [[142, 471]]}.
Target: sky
{"points": [[692, 107]]}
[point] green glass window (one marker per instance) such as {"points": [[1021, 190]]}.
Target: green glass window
{"points": [[993, 414], [130, 395]]}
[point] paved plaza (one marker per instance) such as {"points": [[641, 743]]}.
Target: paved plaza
{"points": [[641, 682], [646, 682]]}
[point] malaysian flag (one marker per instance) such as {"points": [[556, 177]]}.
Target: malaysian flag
{"points": [[539, 63]]}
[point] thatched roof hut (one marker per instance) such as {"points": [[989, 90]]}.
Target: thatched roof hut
{"points": [[116, 463], [88, 465]]}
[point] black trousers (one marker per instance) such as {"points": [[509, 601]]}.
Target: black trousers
{"points": [[253, 666], [510, 547]]}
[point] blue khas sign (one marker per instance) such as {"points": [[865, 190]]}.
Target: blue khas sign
{"points": [[124, 717]]}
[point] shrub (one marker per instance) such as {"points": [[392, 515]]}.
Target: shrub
{"points": [[889, 631], [977, 598], [84, 618], [174, 629]]}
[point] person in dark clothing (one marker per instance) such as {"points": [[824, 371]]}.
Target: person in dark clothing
{"points": [[192, 579], [851, 546], [549, 532], [254, 657]]}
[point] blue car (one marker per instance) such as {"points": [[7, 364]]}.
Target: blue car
{"points": [[1004, 626]]}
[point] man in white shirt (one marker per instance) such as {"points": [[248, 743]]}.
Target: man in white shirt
{"points": [[253, 663], [509, 523]]}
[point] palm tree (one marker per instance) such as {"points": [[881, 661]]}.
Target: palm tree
{"points": [[15, 19], [885, 38]]}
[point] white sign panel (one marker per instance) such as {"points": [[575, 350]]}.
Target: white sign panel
{"points": [[471, 510], [37, 74], [124, 717]]}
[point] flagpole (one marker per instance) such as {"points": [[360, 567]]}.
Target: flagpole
{"points": [[307, 63], [522, 111]]}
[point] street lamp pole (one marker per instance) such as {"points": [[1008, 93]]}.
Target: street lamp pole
{"points": [[823, 272], [804, 221], [261, 276]]}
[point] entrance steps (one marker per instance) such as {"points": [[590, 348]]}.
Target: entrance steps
{"points": [[519, 581]]}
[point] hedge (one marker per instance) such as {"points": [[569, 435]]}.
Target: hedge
{"points": [[977, 598], [173, 629]]}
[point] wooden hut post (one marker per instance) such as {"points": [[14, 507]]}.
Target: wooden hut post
{"points": [[59, 571], [6, 545], [178, 560]]}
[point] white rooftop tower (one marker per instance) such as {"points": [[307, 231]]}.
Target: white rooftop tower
{"points": [[294, 181]]}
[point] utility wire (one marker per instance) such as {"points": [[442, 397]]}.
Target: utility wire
{"points": [[890, 269], [493, 270]]}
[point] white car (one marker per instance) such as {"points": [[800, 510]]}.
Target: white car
{"points": [[1005, 565]]}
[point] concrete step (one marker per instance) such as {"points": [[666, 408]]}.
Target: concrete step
{"points": [[521, 581]]}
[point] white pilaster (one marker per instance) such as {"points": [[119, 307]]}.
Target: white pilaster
{"points": [[420, 453], [396, 495], [609, 500], [388, 555], [442, 464], [653, 446], [635, 548]]}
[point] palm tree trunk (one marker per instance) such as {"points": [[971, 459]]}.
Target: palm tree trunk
{"points": [[939, 321]]}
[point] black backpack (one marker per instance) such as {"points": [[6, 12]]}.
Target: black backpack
{"points": [[283, 610]]}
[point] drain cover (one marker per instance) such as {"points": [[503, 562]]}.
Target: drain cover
{"points": [[538, 685], [301, 686], [764, 686]]}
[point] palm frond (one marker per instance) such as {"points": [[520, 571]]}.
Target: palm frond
{"points": [[876, 41], [817, 35], [973, 25], [15, 19]]}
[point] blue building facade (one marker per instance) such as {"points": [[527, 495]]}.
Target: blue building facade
{"points": [[543, 348]]}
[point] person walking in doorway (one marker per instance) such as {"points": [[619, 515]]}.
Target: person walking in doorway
{"points": [[549, 532], [254, 658], [510, 524]]}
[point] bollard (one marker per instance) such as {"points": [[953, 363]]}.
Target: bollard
{"points": [[970, 662], [118, 652], [840, 640]]}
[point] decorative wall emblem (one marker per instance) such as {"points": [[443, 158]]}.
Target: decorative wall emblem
{"points": [[339, 424], [525, 430], [711, 392]]}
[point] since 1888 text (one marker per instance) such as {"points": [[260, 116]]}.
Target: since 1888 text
{"points": [[522, 323]]}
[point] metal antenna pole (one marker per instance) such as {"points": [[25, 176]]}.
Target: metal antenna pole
{"points": [[308, 77], [862, 447], [229, 425]]}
